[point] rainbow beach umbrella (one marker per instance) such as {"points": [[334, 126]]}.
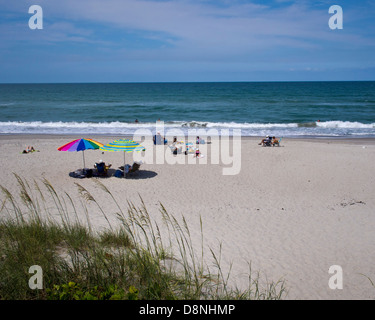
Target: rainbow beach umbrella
{"points": [[80, 145], [123, 145]]}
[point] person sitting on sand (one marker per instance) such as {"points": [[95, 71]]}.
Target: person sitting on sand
{"points": [[266, 140], [158, 138], [175, 146], [197, 153], [275, 141], [102, 167], [176, 150]]}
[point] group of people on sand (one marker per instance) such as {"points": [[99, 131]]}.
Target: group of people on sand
{"points": [[269, 141], [176, 147]]}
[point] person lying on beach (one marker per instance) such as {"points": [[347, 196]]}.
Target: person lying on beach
{"points": [[28, 149]]}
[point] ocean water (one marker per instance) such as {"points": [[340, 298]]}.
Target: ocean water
{"points": [[287, 109]]}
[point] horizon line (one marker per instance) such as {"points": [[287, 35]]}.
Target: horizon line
{"points": [[187, 82]]}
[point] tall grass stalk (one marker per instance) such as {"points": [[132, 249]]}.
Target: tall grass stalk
{"points": [[134, 258]]}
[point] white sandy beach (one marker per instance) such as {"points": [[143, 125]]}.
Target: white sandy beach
{"points": [[292, 211]]}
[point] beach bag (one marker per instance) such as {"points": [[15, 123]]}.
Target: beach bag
{"points": [[119, 174]]}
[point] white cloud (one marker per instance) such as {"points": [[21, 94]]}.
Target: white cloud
{"points": [[198, 31], [198, 24], [191, 27]]}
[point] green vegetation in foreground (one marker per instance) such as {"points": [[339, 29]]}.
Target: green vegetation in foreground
{"points": [[132, 261]]}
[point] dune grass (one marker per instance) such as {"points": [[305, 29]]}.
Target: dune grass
{"points": [[133, 259]]}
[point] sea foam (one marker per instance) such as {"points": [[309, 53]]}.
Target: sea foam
{"points": [[328, 128]]}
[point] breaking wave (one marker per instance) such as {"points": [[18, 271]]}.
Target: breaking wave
{"points": [[326, 128]]}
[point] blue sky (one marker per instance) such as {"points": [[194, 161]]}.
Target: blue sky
{"points": [[186, 40]]}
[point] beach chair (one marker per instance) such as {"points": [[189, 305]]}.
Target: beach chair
{"points": [[102, 168], [133, 169], [266, 143], [277, 143]]}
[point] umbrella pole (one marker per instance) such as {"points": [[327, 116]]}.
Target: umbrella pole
{"points": [[124, 164], [83, 156]]}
